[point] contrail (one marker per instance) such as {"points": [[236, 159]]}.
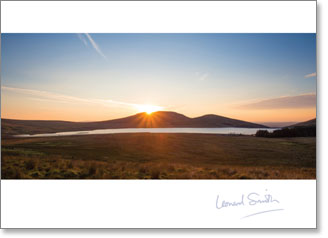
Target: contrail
{"points": [[93, 44]]}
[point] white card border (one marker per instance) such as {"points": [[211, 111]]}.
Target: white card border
{"points": [[8, 25], [159, 17]]}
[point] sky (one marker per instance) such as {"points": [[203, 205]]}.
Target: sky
{"points": [[93, 77]]}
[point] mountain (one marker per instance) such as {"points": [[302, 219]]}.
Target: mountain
{"points": [[278, 124], [160, 119], [310, 123], [219, 121]]}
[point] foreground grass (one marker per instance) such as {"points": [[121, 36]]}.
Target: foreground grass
{"points": [[158, 156]]}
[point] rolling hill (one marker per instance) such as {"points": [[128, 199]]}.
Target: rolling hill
{"points": [[160, 119], [310, 123]]}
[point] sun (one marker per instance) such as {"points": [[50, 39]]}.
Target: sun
{"points": [[147, 108]]}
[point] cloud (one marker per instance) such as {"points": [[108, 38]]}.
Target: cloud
{"points": [[288, 102], [45, 95], [55, 97], [310, 75], [85, 38], [202, 76]]}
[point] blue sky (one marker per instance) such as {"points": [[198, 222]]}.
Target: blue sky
{"points": [[193, 74]]}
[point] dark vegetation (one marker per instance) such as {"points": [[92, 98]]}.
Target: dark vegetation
{"points": [[158, 156], [288, 132], [303, 129], [162, 119]]}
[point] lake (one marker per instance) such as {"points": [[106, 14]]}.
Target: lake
{"points": [[225, 130]]}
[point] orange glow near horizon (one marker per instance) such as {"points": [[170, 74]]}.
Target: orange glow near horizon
{"points": [[149, 109], [277, 115], [27, 107], [97, 114]]}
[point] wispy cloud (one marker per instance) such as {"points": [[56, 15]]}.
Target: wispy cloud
{"points": [[45, 95], [85, 38], [202, 76], [310, 75], [55, 97], [288, 102]]}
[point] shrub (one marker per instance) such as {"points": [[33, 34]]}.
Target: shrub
{"points": [[155, 174], [11, 173], [70, 165], [171, 168], [30, 164], [213, 173], [262, 133], [100, 173], [142, 170], [92, 169], [35, 174]]}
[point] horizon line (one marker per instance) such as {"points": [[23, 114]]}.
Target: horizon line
{"points": [[256, 122]]}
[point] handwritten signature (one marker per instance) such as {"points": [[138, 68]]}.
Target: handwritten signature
{"points": [[250, 199]]}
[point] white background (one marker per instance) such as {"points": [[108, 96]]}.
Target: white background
{"points": [[156, 204], [322, 165], [159, 17]]}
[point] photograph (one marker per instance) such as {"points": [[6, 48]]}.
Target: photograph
{"points": [[158, 106]]}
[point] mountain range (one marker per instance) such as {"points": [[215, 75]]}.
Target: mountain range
{"points": [[160, 119]]}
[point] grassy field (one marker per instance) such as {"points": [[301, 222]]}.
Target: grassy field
{"points": [[158, 156]]}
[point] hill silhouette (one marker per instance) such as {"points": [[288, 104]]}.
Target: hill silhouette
{"points": [[160, 119], [308, 123]]}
